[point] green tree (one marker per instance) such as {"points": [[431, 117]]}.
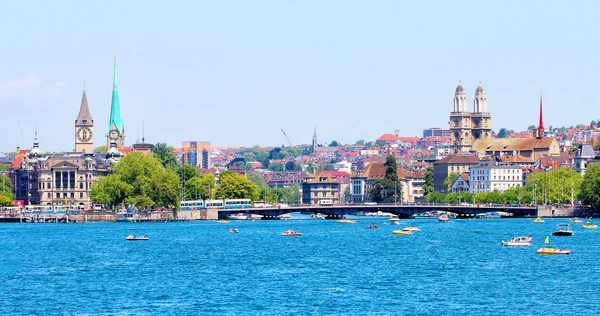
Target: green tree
{"points": [[4, 167], [164, 154], [597, 147], [276, 167], [428, 186], [258, 180], [593, 124], [291, 195], [466, 197], [450, 180], [334, 143], [101, 149], [555, 186], [435, 197], [235, 186], [360, 142], [391, 168], [6, 187], [140, 180], [186, 172], [389, 189], [531, 128], [200, 188], [329, 168], [590, 186], [502, 133], [290, 166], [5, 201]]}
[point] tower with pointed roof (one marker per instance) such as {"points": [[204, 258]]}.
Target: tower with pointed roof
{"points": [[315, 144], [116, 129], [540, 129], [84, 125], [481, 119]]}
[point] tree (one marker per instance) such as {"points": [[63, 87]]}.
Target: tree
{"points": [[258, 180], [593, 124], [186, 172], [387, 190], [391, 168], [435, 197], [428, 186], [531, 128], [198, 188], [276, 167], [334, 144], [590, 186], [360, 142], [139, 180], [6, 187], [597, 147], [554, 186], [450, 180], [329, 168], [235, 186], [290, 166], [101, 149], [502, 133], [164, 154], [5, 201]]}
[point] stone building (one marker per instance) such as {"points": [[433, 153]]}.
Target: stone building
{"points": [[458, 164], [467, 127], [410, 184]]}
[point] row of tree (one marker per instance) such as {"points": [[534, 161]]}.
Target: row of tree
{"points": [[6, 195]]}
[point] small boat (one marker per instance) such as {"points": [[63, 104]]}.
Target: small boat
{"points": [[589, 225], [563, 230], [132, 238], [224, 221], [394, 220], [443, 218], [374, 226], [404, 231], [576, 221], [552, 251], [518, 241], [346, 221], [125, 216], [291, 233], [413, 228], [233, 230], [539, 220]]}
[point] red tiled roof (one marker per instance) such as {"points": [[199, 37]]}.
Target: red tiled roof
{"points": [[19, 158]]}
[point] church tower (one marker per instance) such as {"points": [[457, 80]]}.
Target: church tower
{"points": [[460, 122], [315, 144], [116, 128], [540, 129], [84, 125], [481, 118]]}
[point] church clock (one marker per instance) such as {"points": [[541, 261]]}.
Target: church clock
{"points": [[84, 134]]}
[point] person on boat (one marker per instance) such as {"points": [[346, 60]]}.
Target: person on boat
{"points": [[375, 226], [530, 239], [130, 236], [588, 224]]}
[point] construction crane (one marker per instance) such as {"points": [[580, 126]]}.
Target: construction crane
{"points": [[286, 137]]}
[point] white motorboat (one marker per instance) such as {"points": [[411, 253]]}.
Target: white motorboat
{"points": [[518, 242], [394, 220], [125, 216]]}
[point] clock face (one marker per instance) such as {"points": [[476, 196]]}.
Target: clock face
{"points": [[113, 135], [84, 134]]}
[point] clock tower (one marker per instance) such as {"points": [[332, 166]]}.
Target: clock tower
{"points": [[84, 126], [116, 129]]}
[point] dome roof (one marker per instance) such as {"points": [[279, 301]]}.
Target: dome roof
{"points": [[480, 89], [459, 89]]}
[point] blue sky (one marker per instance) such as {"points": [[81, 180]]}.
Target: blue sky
{"points": [[237, 72]]}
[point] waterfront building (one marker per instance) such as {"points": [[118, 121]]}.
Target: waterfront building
{"points": [[461, 184], [323, 187], [458, 164], [116, 127], [409, 188], [495, 176], [467, 127], [84, 126], [584, 156]]}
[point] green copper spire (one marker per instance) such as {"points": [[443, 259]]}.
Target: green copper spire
{"points": [[115, 108]]}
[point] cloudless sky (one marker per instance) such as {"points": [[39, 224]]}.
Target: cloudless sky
{"points": [[237, 72]]}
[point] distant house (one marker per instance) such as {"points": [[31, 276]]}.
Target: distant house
{"points": [[458, 164], [532, 148], [322, 187], [410, 184], [461, 184]]}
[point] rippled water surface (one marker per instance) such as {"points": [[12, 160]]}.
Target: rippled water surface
{"points": [[200, 268]]}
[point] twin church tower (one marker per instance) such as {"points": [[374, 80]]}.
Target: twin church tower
{"points": [[465, 126], [84, 124]]}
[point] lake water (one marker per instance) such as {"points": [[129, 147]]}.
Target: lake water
{"points": [[196, 268]]}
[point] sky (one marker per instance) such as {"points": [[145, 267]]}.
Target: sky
{"points": [[237, 72]]}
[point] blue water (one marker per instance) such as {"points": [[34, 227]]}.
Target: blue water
{"points": [[196, 268]]}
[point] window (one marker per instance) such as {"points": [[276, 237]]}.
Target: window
{"points": [[81, 195], [49, 195], [81, 185], [58, 195]]}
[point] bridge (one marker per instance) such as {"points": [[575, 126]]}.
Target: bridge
{"points": [[402, 210]]}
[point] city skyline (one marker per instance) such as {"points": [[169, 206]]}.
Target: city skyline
{"points": [[355, 72]]}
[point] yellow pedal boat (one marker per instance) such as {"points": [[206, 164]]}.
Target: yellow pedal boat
{"points": [[402, 232], [589, 226], [552, 251], [539, 220]]}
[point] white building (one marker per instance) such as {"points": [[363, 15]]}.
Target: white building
{"points": [[495, 176]]}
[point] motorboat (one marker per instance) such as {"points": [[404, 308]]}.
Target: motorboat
{"points": [[539, 220], [291, 233], [394, 220], [553, 251], [404, 231], [130, 237], [346, 221], [589, 225], [563, 230], [125, 216], [413, 228], [576, 221], [443, 218], [374, 226], [518, 241], [233, 230], [316, 216]]}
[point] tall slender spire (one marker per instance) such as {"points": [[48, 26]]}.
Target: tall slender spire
{"points": [[540, 130], [18, 136], [115, 108], [84, 117]]}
